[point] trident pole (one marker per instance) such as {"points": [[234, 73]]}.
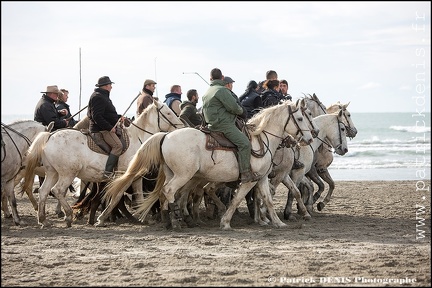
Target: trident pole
{"points": [[198, 75], [79, 116]]}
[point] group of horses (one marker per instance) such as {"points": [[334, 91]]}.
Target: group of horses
{"points": [[159, 143]]}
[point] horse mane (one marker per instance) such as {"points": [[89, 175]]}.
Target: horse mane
{"points": [[16, 122], [263, 117], [336, 107]]}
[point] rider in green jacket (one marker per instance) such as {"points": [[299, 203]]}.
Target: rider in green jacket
{"points": [[220, 110]]}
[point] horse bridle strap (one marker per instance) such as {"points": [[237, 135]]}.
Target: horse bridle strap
{"points": [[160, 113]]}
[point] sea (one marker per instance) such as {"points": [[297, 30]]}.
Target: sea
{"points": [[388, 146]]}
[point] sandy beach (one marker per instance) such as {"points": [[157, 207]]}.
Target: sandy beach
{"points": [[372, 233]]}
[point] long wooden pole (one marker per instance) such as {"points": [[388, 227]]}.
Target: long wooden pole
{"points": [[79, 116]]}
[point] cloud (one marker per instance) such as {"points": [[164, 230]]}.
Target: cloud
{"points": [[370, 85]]}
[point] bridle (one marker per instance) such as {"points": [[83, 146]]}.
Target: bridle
{"points": [[350, 130]]}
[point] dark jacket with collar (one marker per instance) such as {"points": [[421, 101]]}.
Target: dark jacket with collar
{"points": [[101, 112], [46, 112]]}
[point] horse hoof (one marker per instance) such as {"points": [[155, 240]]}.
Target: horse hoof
{"points": [[100, 224], [190, 222], [175, 224], [290, 217], [320, 206], [307, 217], [226, 227], [45, 225]]}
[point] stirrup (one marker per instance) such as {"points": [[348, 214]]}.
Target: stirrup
{"points": [[108, 175]]}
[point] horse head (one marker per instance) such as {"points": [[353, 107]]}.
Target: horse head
{"points": [[307, 113], [157, 117], [351, 130], [295, 111], [342, 147]]}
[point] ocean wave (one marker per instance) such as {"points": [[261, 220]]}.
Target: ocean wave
{"points": [[389, 141], [415, 129], [380, 164]]}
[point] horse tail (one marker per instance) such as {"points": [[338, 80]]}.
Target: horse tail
{"points": [[33, 159], [146, 159], [145, 206]]}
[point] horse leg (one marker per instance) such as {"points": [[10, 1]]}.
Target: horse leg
{"points": [[59, 190], [294, 192], [122, 207], [258, 213], [329, 180], [11, 199], [94, 203], [5, 206], [197, 197], [313, 176], [212, 202], [307, 194], [44, 190], [58, 209], [264, 190], [107, 211], [28, 192], [244, 188]]}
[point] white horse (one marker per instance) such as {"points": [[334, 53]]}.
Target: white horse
{"points": [[181, 157], [333, 135], [324, 157], [65, 155], [15, 140]]}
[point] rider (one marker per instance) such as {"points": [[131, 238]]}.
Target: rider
{"points": [[220, 110], [45, 110], [103, 118]]}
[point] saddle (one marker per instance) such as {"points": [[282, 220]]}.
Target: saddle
{"points": [[217, 141], [97, 144]]}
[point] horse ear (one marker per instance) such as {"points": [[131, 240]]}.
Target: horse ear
{"points": [[346, 105], [303, 103], [50, 126]]}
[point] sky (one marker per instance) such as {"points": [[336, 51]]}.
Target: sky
{"points": [[373, 55]]}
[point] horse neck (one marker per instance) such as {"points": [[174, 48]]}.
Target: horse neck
{"points": [[275, 127], [314, 107], [325, 123], [145, 126], [29, 129]]}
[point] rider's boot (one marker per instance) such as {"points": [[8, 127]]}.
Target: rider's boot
{"points": [[249, 176], [109, 167]]}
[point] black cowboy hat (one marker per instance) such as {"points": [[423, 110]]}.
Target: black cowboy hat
{"points": [[104, 80]]}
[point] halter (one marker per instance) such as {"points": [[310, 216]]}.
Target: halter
{"points": [[350, 130]]}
